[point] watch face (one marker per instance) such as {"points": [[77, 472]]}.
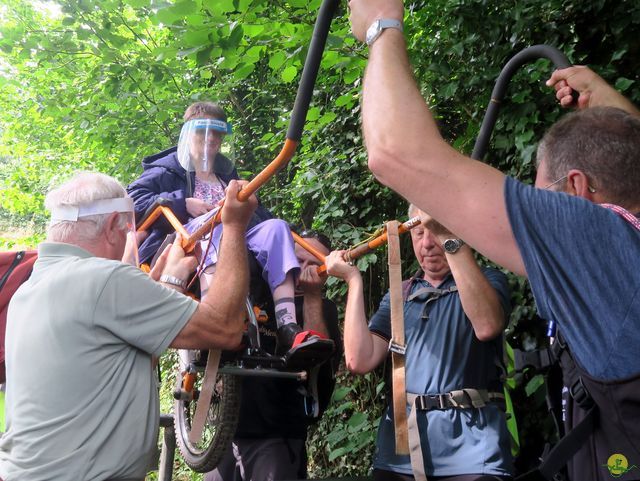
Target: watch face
{"points": [[372, 32], [452, 245]]}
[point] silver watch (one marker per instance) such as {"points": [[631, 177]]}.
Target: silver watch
{"points": [[452, 246], [376, 28], [172, 280]]}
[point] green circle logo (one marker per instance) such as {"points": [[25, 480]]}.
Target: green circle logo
{"points": [[617, 464]]}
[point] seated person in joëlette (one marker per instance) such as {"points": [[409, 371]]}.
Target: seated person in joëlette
{"points": [[191, 178]]}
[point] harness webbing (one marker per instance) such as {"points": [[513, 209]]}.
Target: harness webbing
{"points": [[572, 441], [397, 344]]}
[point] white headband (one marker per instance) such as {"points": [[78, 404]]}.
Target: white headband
{"points": [[103, 206]]}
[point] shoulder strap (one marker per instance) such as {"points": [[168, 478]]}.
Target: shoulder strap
{"points": [[397, 345], [573, 440], [406, 289]]}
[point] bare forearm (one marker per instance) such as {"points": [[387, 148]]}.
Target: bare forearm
{"points": [[359, 342], [219, 320], [313, 314], [224, 302], [610, 97], [393, 109], [408, 154], [479, 299], [230, 284]]}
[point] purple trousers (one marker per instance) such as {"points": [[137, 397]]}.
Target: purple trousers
{"points": [[270, 242]]}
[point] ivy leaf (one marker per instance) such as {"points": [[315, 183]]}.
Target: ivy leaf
{"points": [[623, 83]]}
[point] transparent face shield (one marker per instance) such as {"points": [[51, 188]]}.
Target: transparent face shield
{"points": [[130, 255], [121, 205], [200, 142]]}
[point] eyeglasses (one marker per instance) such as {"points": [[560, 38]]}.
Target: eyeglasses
{"points": [[557, 181], [564, 177]]}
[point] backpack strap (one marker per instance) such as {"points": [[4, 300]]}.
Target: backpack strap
{"points": [[572, 441]]}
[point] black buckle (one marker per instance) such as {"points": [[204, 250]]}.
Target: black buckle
{"points": [[429, 403], [580, 394]]}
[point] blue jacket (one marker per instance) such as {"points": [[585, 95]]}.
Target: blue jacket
{"points": [[164, 177]]}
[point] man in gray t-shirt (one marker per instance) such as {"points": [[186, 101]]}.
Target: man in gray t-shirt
{"points": [[82, 400]]}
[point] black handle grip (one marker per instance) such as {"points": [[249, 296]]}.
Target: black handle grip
{"points": [[310, 69], [497, 95]]}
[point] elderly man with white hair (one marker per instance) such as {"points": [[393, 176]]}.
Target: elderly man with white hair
{"points": [[82, 401]]}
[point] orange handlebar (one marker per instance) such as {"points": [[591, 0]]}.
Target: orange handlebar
{"points": [[308, 247], [363, 249]]}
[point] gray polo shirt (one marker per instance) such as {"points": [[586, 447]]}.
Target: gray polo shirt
{"points": [[82, 399]]}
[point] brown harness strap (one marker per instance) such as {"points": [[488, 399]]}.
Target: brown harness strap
{"points": [[396, 345], [206, 393]]}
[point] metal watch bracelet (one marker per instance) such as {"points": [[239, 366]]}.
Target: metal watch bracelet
{"points": [[174, 281]]}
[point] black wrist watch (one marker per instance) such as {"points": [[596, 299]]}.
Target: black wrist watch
{"points": [[452, 246]]}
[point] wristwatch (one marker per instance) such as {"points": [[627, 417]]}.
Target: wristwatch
{"points": [[376, 28], [452, 246], [172, 280]]}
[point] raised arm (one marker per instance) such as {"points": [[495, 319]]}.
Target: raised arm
{"points": [[479, 298], [219, 320], [363, 350], [311, 284], [408, 154], [594, 90]]}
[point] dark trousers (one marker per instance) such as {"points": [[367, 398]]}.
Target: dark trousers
{"points": [[271, 459]]}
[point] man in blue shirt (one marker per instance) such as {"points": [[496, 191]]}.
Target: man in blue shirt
{"points": [[579, 247], [454, 315]]}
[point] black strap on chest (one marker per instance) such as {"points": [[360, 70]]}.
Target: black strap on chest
{"points": [[432, 293], [573, 440]]}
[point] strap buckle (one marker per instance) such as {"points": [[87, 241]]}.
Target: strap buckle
{"points": [[580, 394], [397, 348], [428, 402]]}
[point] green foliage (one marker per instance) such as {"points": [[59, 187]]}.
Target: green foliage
{"points": [[98, 84], [342, 443]]}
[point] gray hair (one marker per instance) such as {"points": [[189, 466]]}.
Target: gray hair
{"points": [[83, 188], [602, 142]]}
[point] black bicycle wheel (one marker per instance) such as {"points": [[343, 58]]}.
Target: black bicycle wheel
{"points": [[220, 426]]}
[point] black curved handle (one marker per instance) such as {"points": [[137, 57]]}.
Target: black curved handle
{"points": [[518, 60], [310, 69]]}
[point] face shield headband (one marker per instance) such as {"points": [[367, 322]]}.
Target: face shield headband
{"points": [[199, 144], [73, 213]]}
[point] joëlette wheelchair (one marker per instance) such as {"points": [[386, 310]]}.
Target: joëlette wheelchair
{"points": [[208, 382]]}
